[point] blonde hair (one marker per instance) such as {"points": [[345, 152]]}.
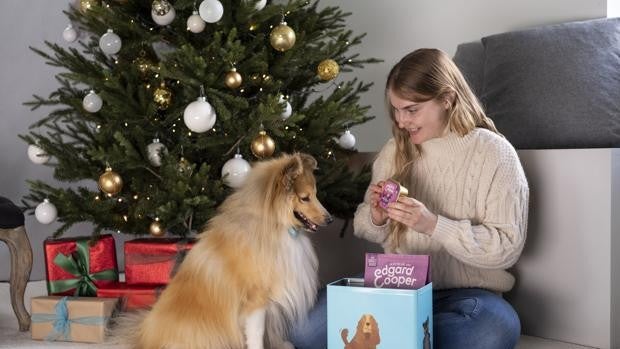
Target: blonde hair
{"points": [[420, 76]]}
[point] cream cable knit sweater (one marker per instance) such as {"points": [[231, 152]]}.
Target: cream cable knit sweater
{"points": [[476, 185]]}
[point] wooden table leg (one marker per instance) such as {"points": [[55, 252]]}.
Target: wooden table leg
{"points": [[21, 265]]}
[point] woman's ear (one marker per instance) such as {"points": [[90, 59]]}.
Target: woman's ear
{"points": [[448, 100]]}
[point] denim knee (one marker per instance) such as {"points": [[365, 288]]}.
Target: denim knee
{"points": [[474, 318]]}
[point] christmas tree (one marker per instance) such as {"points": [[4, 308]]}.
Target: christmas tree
{"points": [[161, 103]]}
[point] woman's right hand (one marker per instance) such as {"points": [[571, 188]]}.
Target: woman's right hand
{"points": [[378, 214]]}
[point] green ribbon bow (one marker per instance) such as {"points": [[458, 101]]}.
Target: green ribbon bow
{"points": [[78, 264]]}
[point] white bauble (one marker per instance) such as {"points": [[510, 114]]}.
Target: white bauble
{"points": [[165, 19], [110, 43], [199, 116], [154, 152], [288, 110], [235, 171], [347, 140], [92, 103], [69, 34], [211, 11], [195, 24], [260, 5], [45, 212], [37, 155]]}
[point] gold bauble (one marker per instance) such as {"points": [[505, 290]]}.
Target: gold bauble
{"points": [[86, 5], [263, 146], [328, 69], [162, 97], [156, 228], [110, 182], [184, 166], [144, 65], [161, 7], [233, 79], [282, 37]]}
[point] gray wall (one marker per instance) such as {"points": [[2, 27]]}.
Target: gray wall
{"points": [[394, 28]]}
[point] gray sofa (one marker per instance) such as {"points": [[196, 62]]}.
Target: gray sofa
{"points": [[554, 92]]}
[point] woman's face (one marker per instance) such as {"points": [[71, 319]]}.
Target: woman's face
{"points": [[423, 121]]}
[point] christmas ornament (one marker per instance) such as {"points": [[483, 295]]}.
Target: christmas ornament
{"points": [[233, 79], [347, 140], [235, 171], [328, 69], [162, 12], [156, 228], [69, 34], [154, 152], [162, 97], [199, 116], [110, 43], [288, 110], [86, 5], [282, 37], [263, 146], [260, 5], [211, 11], [92, 103], [37, 155], [195, 24], [110, 182], [184, 167], [45, 212], [144, 65]]}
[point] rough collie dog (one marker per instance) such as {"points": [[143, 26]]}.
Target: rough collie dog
{"points": [[253, 271]]}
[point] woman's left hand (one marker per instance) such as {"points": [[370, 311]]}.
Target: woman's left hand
{"points": [[413, 214]]}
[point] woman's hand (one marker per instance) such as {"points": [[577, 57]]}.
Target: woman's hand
{"points": [[413, 214], [378, 214]]}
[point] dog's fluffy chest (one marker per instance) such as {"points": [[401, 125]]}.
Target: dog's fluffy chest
{"points": [[298, 275]]}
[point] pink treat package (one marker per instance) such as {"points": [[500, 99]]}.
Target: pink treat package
{"points": [[390, 192], [396, 271]]}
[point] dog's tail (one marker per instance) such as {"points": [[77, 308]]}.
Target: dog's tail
{"points": [[124, 328], [345, 336]]}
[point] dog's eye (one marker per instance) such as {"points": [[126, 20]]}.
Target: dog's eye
{"points": [[305, 199]]}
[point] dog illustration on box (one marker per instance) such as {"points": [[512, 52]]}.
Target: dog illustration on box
{"points": [[366, 335], [426, 343]]}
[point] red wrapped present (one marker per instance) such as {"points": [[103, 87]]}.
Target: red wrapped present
{"points": [[131, 296], [153, 261], [78, 266]]}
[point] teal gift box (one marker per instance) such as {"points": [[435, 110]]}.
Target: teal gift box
{"points": [[365, 317]]}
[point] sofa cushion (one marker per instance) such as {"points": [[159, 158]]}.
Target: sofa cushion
{"points": [[469, 57], [555, 86]]}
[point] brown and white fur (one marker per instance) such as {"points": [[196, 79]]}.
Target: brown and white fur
{"points": [[247, 279]]}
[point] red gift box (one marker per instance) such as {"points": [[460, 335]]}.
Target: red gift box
{"points": [[152, 261], [78, 266], [131, 297]]}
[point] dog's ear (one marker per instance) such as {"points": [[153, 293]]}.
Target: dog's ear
{"points": [[292, 169], [308, 161]]}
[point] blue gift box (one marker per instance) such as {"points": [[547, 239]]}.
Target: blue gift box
{"points": [[381, 317]]}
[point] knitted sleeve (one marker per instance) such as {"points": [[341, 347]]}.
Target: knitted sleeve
{"points": [[498, 240], [363, 227]]}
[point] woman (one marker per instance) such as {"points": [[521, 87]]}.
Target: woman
{"points": [[467, 205]]}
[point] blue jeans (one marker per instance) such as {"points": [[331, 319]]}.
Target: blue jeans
{"points": [[462, 318]]}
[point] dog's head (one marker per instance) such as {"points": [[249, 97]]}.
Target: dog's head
{"points": [[299, 184], [289, 190], [368, 329]]}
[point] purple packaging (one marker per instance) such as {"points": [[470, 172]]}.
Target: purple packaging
{"points": [[390, 192], [396, 271]]}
